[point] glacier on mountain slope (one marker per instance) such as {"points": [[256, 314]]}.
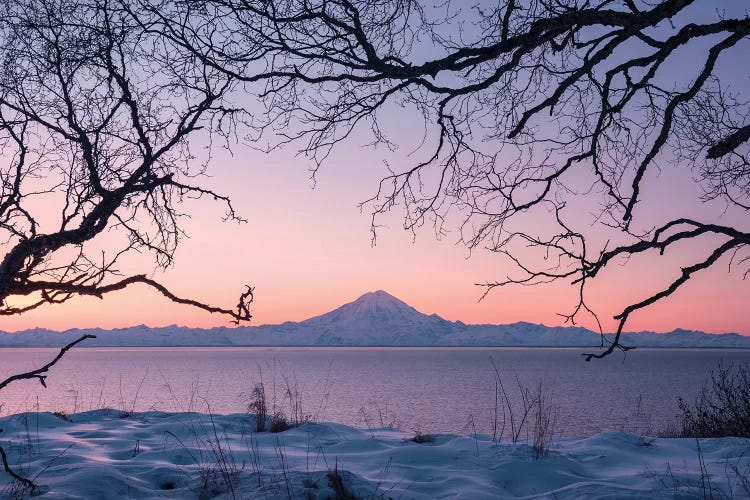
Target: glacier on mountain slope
{"points": [[374, 319]]}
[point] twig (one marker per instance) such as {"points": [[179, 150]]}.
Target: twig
{"points": [[26, 482], [38, 372]]}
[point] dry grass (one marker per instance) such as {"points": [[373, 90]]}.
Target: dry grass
{"points": [[722, 408]]}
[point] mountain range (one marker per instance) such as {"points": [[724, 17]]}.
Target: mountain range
{"points": [[374, 319]]}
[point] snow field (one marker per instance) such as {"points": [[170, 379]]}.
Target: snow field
{"points": [[107, 454]]}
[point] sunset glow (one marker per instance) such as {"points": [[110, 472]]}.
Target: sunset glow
{"points": [[307, 251], [306, 247], [374, 249]]}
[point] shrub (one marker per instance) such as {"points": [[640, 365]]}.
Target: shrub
{"points": [[62, 416], [536, 414], [722, 408], [420, 438], [259, 406], [545, 419], [336, 482], [279, 423]]}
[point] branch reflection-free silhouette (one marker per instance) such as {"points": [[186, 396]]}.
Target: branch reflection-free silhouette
{"points": [[529, 108]]}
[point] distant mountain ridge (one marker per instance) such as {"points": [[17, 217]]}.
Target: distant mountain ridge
{"points": [[374, 319]]}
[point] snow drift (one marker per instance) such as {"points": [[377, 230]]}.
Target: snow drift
{"points": [[111, 454]]}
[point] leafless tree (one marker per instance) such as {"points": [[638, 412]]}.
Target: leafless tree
{"points": [[96, 117], [96, 114], [528, 106]]}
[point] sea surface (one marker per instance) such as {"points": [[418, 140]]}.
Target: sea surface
{"points": [[449, 390]]}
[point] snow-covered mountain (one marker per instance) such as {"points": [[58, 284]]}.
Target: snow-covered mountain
{"points": [[374, 319]]}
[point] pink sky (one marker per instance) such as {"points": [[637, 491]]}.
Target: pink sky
{"points": [[308, 251]]}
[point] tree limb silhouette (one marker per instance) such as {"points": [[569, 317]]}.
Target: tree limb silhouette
{"points": [[527, 106], [97, 115], [39, 372]]}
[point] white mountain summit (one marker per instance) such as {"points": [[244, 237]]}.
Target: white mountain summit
{"points": [[374, 319], [379, 306], [377, 318]]}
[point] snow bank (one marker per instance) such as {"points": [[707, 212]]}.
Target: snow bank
{"points": [[109, 454]]}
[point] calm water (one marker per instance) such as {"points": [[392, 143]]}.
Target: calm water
{"points": [[430, 390]]}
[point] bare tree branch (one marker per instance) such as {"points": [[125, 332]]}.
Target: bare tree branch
{"points": [[729, 143], [39, 372], [523, 104], [97, 115], [25, 481]]}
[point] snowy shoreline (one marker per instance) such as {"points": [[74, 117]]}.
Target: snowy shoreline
{"points": [[115, 454]]}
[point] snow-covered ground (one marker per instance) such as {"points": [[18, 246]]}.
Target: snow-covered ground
{"points": [[107, 454]]}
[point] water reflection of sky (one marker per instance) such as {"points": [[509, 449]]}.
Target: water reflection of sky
{"points": [[415, 388]]}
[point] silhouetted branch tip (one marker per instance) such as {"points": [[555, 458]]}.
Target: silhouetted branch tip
{"points": [[38, 373], [25, 481]]}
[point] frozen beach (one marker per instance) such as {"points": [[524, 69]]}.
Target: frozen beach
{"points": [[107, 454]]}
